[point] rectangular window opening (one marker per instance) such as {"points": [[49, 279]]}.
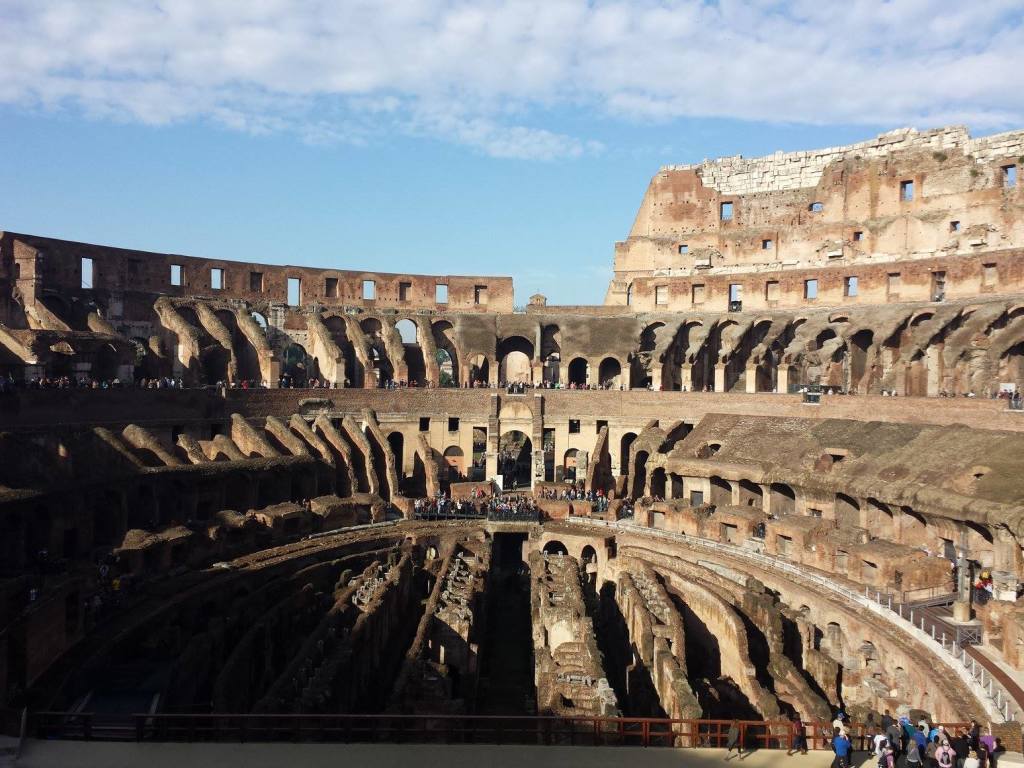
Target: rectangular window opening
{"points": [[480, 294], [661, 294], [441, 293], [810, 289], [87, 273], [684, 249], [894, 283], [601, 424], [767, 245], [175, 274], [453, 423], [726, 211], [424, 423], [850, 287], [954, 226], [403, 291], [256, 282], [907, 191], [1009, 175], [574, 426], [989, 275], [294, 291], [331, 287], [369, 290], [217, 279], [771, 290], [697, 294], [858, 236]]}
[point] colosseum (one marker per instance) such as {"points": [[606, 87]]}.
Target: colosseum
{"points": [[775, 476]]}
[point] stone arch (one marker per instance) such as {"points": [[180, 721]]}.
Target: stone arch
{"points": [[847, 511], [107, 361], [515, 459], [455, 462], [412, 351], [336, 327], [643, 359], [783, 499], [721, 491], [625, 443], [447, 354], [750, 494], [658, 483], [610, 373], [569, 460], [555, 547], [479, 371], [638, 477], [578, 371], [296, 364], [397, 442], [515, 359]]}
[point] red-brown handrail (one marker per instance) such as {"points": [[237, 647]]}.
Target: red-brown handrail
{"points": [[447, 729]]}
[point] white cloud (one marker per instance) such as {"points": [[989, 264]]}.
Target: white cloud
{"points": [[493, 74]]}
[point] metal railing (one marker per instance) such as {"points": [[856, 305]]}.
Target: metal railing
{"points": [[427, 729], [986, 689]]}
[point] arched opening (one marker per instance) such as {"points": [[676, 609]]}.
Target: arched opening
{"points": [[624, 445], [642, 360], [354, 374], [847, 511], [578, 372], [454, 460], [447, 354], [783, 499], [214, 362], [552, 369], [721, 492], [879, 519], [295, 366], [569, 465], [412, 351], [246, 357], [261, 320], [479, 372], [515, 460], [639, 473], [396, 440], [609, 373], [750, 494], [107, 360], [861, 377], [588, 555], [515, 354], [555, 547], [551, 353], [658, 479], [382, 364]]}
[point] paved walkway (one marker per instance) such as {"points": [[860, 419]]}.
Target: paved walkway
{"points": [[71, 754]]}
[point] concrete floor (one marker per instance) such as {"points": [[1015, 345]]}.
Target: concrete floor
{"points": [[71, 754]]}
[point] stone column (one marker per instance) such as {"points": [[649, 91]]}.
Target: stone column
{"points": [[493, 439], [686, 377], [782, 382], [719, 377], [751, 379], [656, 378]]}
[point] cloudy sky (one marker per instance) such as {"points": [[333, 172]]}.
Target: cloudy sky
{"points": [[451, 137]]}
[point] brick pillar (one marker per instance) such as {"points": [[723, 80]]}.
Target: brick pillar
{"points": [[656, 378], [493, 437], [719, 377]]}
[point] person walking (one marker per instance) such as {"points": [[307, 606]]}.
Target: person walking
{"points": [[799, 741], [732, 740], [842, 747]]}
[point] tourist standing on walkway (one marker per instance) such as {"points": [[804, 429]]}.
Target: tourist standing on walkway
{"points": [[732, 740], [842, 747]]}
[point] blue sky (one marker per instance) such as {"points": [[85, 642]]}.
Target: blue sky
{"points": [[450, 137]]}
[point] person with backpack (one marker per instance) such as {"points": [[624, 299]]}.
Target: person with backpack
{"points": [[945, 756], [888, 757], [842, 747], [913, 754], [799, 741], [732, 740]]}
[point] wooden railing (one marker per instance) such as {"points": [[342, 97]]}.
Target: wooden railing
{"points": [[422, 729]]}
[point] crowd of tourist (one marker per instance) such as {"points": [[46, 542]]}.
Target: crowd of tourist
{"points": [[497, 507], [899, 741], [598, 499]]}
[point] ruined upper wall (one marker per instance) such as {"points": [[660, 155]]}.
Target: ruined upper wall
{"points": [[738, 175], [904, 196], [43, 264]]}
